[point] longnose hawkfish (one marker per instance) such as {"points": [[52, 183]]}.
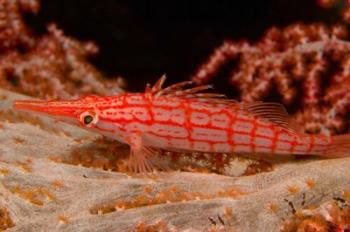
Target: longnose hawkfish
{"points": [[182, 118]]}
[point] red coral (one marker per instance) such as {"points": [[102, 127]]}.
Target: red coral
{"points": [[310, 56], [343, 5], [12, 28], [49, 66]]}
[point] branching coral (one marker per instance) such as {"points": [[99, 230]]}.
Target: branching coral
{"points": [[307, 64], [49, 66], [13, 31], [343, 5]]}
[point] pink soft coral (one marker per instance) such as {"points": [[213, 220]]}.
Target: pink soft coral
{"points": [[49, 66], [300, 61]]}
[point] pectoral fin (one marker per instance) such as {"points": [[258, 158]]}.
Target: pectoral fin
{"points": [[139, 154]]}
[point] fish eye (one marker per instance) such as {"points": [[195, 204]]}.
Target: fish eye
{"points": [[88, 118]]}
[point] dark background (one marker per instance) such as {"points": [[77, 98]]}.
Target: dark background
{"points": [[141, 40]]}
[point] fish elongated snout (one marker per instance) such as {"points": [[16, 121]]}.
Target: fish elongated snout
{"points": [[67, 108], [32, 105]]}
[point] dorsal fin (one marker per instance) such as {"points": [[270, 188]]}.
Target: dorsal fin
{"points": [[158, 85], [272, 112], [172, 88], [184, 90]]}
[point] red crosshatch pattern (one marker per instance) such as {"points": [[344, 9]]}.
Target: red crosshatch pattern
{"points": [[183, 119], [194, 125]]}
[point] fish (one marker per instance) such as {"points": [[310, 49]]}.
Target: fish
{"points": [[182, 117]]}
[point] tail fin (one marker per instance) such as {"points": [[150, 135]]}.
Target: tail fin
{"points": [[340, 147]]}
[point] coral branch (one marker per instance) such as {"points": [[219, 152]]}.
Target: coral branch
{"points": [[49, 66], [12, 28], [306, 56], [343, 5]]}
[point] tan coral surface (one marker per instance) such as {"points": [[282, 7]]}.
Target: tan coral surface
{"points": [[43, 187]]}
